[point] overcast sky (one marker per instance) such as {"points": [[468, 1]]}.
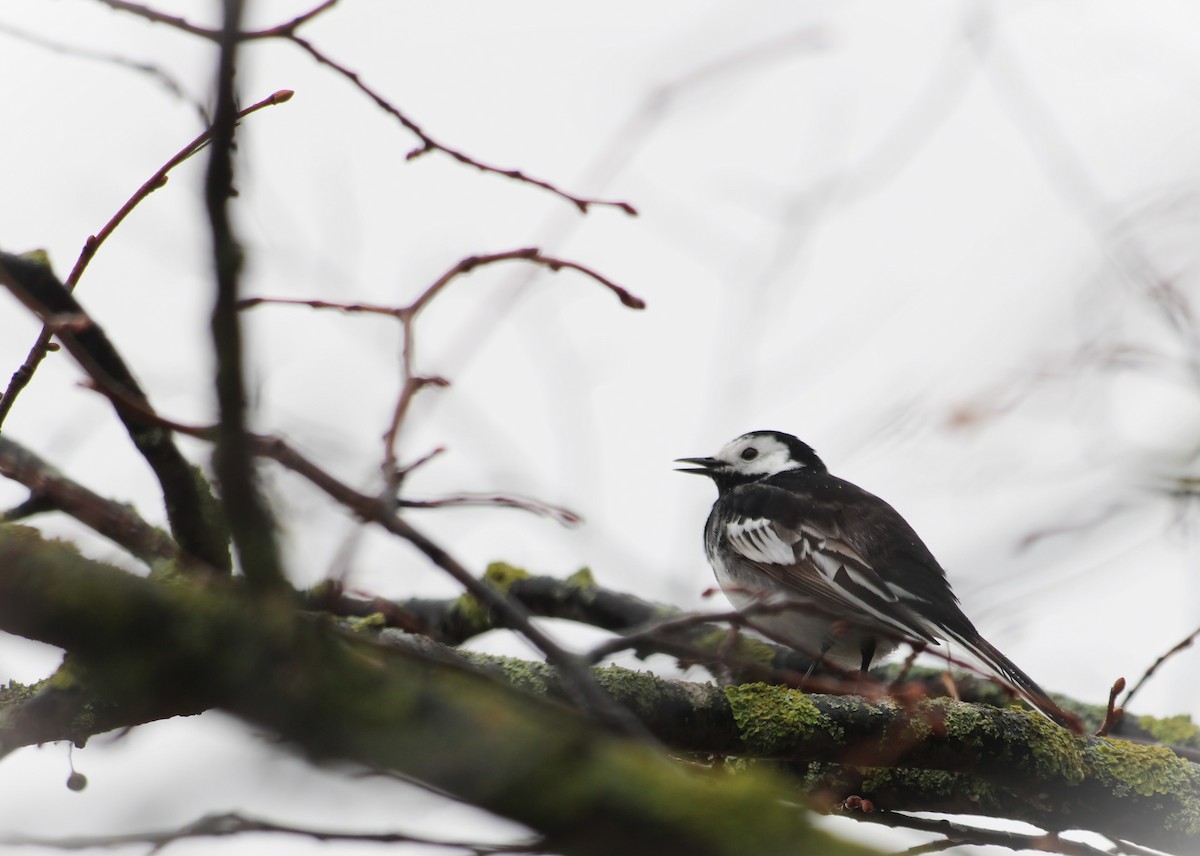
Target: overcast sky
{"points": [[951, 245]]}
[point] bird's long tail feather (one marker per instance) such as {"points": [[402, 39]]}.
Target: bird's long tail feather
{"points": [[1011, 674]]}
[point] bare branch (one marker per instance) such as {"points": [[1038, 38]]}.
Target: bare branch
{"points": [[190, 508], [37, 353], [155, 72], [163, 18], [229, 824], [959, 834], [429, 144], [52, 490], [1113, 714], [1182, 645], [411, 382], [528, 254], [287, 32], [556, 513]]}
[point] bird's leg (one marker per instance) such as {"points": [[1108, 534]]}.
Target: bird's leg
{"points": [[868, 653], [867, 648]]}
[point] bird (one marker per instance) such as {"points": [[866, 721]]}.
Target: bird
{"points": [[828, 569]]}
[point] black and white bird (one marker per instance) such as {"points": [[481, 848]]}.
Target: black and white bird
{"points": [[861, 582]]}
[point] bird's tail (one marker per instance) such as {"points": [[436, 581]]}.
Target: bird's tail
{"points": [[1007, 670]]}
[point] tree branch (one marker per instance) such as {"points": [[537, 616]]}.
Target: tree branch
{"points": [[412, 382], [191, 510], [916, 755], [957, 834], [22, 376], [228, 824], [588, 792], [287, 31], [115, 521], [250, 521]]}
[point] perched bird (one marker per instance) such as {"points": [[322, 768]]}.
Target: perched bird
{"points": [[858, 579]]}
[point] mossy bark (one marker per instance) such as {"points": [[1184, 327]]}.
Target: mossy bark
{"points": [[337, 694]]}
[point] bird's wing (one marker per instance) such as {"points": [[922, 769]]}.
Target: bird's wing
{"points": [[845, 550], [811, 555]]}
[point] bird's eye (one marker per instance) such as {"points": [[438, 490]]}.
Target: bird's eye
{"points": [[749, 454]]}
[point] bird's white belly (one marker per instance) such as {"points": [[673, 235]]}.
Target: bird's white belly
{"points": [[798, 624]]}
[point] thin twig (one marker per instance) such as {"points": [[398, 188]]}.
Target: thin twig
{"points": [[1132, 849], [906, 666], [349, 308], [556, 513], [1182, 645], [231, 823], [1112, 714], [288, 32], [738, 618], [429, 144], [163, 18], [960, 833], [166, 80], [529, 254], [41, 347], [158, 180], [412, 382]]}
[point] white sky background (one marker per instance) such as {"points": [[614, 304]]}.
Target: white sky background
{"points": [[925, 237]]}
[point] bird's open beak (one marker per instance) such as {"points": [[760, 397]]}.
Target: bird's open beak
{"points": [[704, 466]]}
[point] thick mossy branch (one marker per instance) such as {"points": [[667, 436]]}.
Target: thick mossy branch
{"points": [[337, 695], [964, 758], [375, 694], [578, 598]]}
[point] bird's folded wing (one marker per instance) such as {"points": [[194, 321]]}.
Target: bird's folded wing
{"points": [[821, 567]]}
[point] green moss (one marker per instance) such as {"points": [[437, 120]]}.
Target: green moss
{"points": [[1151, 771], [172, 572], [68, 676], [38, 256], [935, 782], [582, 578], [963, 722], [1048, 751], [524, 674], [1144, 770], [771, 718], [502, 575], [1175, 730], [1057, 752], [713, 806], [641, 692], [477, 618], [917, 729], [16, 693], [372, 622]]}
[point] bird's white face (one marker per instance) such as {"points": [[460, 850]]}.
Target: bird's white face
{"points": [[757, 455]]}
